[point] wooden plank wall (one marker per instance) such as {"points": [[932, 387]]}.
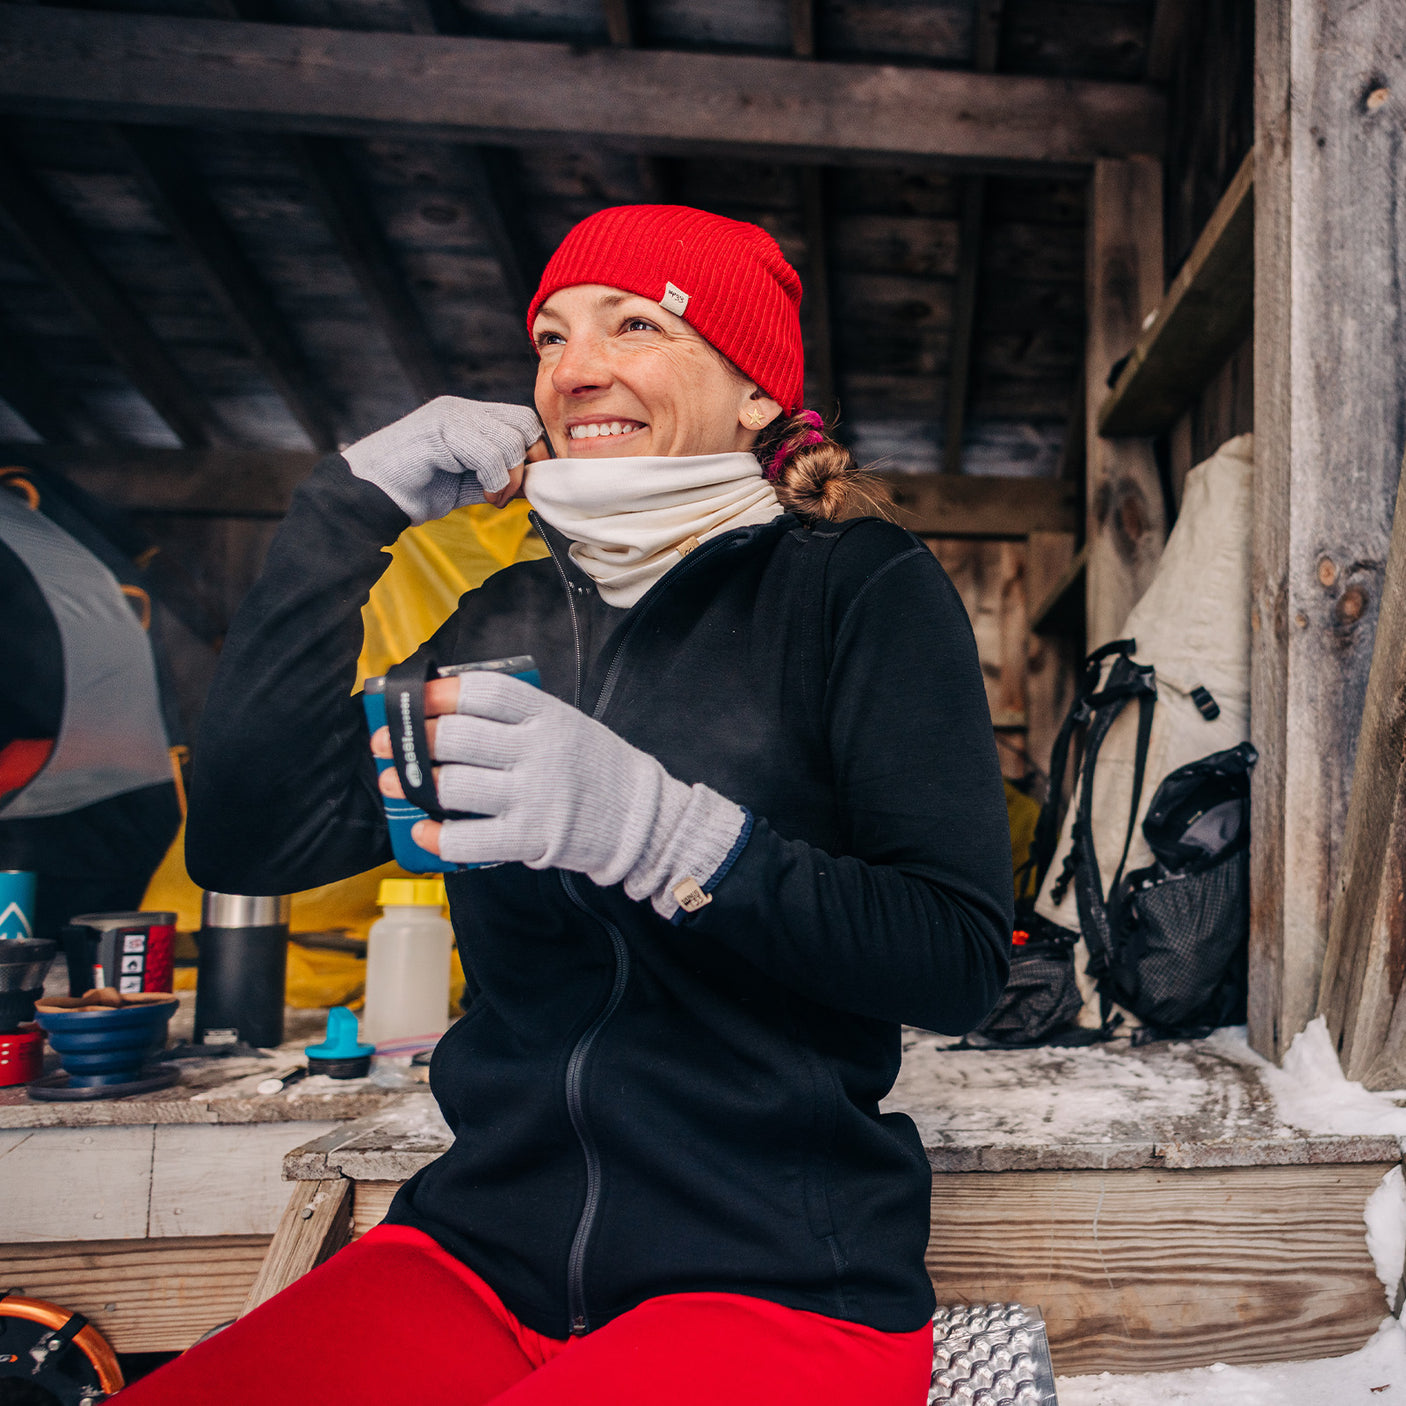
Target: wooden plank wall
{"points": [[1330, 361], [1126, 521], [990, 575], [1210, 129]]}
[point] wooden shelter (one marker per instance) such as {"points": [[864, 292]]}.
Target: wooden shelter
{"points": [[237, 232], [1055, 252]]}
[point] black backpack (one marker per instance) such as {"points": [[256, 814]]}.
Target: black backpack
{"points": [[1166, 942]]}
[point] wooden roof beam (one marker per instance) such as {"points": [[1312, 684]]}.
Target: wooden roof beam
{"points": [[624, 21], [190, 214], [498, 206], [820, 354], [29, 392], [163, 69], [260, 483], [1169, 21], [803, 28], [986, 43], [50, 239], [367, 253]]}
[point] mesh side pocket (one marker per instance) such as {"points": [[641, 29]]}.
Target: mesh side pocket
{"points": [[1041, 996], [1183, 932]]}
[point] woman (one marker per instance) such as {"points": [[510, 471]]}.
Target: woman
{"points": [[751, 822]]}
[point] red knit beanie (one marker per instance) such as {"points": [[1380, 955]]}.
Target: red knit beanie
{"points": [[728, 280]]}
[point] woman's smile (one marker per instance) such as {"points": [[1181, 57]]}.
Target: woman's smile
{"points": [[613, 431]]}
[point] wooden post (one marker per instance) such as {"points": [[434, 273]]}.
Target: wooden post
{"points": [[1366, 958], [1330, 361], [315, 1225], [1126, 522], [1051, 659]]}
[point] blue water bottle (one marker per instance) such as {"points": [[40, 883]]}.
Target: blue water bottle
{"points": [[17, 890]]}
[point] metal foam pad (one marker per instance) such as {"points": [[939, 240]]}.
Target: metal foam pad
{"points": [[993, 1354]]}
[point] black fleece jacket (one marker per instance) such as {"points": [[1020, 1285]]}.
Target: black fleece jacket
{"points": [[642, 1108]]}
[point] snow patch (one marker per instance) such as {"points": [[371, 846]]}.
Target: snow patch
{"points": [[1375, 1373], [1310, 1091], [1385, 1215]]}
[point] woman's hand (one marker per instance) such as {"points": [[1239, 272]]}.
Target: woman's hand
{"points": [[440, 697], [504, 496], [448, 453], [556, 789]]}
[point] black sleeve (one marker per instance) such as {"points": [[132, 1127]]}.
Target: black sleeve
{"points": [[913, 921], [283, 788]]}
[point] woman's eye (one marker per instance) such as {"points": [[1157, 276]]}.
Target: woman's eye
{"points": [[640, 324], [549, 339]]}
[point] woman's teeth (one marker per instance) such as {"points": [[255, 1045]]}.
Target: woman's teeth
{"points": [[595, 430]]}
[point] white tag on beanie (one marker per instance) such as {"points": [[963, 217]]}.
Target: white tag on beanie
{"points": [[675, 300]]}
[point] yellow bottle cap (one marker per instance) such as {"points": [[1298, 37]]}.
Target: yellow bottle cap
{"points": [[418, 893]]}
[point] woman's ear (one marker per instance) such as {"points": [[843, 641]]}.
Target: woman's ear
{"points": [[757, 410]]}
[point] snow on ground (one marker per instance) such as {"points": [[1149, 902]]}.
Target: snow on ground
{"points": [[1310, 1091], [1377, 1373]]}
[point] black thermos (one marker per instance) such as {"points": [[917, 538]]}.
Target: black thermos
{"points": [[243, 946]]}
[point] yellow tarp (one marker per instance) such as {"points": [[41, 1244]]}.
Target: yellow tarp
{"points": [[431, 567], [1023, 814]]}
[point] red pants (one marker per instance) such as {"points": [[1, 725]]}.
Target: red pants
{"points": [[394, 1320]]}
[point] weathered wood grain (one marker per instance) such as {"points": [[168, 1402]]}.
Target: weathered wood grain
{"points": [[1365, 962], [1169, 23], [1204, 315], [142, 1295], [1050, 658], [371, 1201], [74, 1184], [990, 578], [222, 1180], [194, 220], [146, 68], [961, 505], [316, 1224], [1147, 1271], [225, 482], [56, 245], [1060, 610], [1126, 524], [1330, 361]]}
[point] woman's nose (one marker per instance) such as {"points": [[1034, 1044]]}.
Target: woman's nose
{"points": [[580, 368]]}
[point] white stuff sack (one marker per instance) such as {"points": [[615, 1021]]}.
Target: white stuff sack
{"points": [[1193, 626]]}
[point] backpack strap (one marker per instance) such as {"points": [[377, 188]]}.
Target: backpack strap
{"points": [[1126, 681], [1086, 701]]}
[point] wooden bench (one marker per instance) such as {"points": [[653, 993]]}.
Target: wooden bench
{"points": [[1150, 1202]]}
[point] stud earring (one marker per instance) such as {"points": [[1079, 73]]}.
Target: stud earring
{"points": [[756, 418]]}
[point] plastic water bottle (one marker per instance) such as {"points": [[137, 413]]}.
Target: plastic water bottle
{"points": [[407, 962]]}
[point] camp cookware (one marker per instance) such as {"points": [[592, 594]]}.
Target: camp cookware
{"points": [[242, 968]]}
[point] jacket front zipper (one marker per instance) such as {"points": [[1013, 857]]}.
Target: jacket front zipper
{"points": [[575, 1076], [579, 1320]]}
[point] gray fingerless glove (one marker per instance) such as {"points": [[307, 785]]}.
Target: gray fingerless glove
{"points": [[447, 453], [560, 790]]}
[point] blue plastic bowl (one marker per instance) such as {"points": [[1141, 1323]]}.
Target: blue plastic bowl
{"points": [[101, 1045]]}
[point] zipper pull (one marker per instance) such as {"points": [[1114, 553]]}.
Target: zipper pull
{"points": [[578, 1326]]}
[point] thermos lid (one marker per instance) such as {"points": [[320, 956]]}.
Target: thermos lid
{"points": [[416, 893], [123, 920], [244, 910]]}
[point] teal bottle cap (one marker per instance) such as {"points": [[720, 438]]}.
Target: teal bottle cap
{"points": [[341, 1041]]}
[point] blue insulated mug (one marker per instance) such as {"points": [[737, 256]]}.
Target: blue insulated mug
{"points": [[401, 815], [17, 888]]}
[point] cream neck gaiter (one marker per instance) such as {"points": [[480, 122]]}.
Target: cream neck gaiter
{"points": [[630, 520]]}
